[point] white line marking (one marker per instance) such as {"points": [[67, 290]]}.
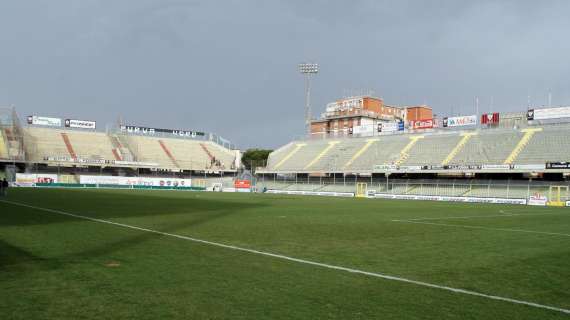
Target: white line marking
{"points": [[318, 264], [485, 228], [504, 215]]}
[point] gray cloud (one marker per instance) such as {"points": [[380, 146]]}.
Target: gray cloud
{"points": [[230, 66]]}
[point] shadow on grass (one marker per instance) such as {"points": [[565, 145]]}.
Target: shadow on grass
{"points": [[112, 205]]}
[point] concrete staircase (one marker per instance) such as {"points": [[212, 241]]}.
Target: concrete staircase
{"points": [[290, 154], [404, 153], [358, 153], [326, 150], [458, 147], [528, 134]]}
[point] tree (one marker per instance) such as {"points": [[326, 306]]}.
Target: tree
{"points": [[255, 158]]}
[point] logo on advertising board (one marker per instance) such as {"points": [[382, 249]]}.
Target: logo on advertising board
{"points": [[422, 124], [152, 131], [490, 118], [460, 121], [537, 200], [558, 165], [548, 113], [82, 124], [242, 184], [44, 121]]}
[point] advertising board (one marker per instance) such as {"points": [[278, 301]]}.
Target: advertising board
{"points": [[81, 124], [422, 124], [548, 113], [44, 121], [460, 121], [30, 179], [136, 181]]}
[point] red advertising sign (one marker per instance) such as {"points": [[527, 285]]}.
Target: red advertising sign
{"points": [[242, 184], [422, 124], [490, 118]]}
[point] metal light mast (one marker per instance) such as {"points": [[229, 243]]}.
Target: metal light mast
{"points": [[308, 69]]}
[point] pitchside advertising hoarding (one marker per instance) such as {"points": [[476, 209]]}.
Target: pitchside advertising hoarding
{"points": [[460, 121], [153, 131], [44, 121], [30, 179], [136, 181], [390, 126], [81, 124], [548, 113], [422, 124]]}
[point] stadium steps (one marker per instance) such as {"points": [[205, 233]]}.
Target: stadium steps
{"points": [[326, 150], [68, 145], [358, 153], [168, 153], [210, 155], [290, 154], [458, 147], [404, 153], [528, 134]]}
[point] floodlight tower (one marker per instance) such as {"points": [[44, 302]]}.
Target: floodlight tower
{"points": [[308, 69]]}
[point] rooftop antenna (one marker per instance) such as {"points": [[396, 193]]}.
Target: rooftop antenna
{"points": [[528, 102], [477, 107], [549, 98]]}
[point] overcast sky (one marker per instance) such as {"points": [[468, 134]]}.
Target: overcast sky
{"points": [[230, 67]]}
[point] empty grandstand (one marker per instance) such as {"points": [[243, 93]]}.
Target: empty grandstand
{"points": [[528, 149]]}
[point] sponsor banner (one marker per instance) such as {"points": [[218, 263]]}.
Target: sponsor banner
{"points": [[496, 167], [390, 126], [462, 167], [101, 161], [30, 180], [228, 189], [385, 167], [410, 168], [537, 200], [450, 199], [422, 124], [132, 163], [460, 121], [82, 124], [490, 118], [529, 166], [136, 181], [568, 203], [242, 184], [433, 167], [312, 193], [363, 131], [153, 131], [44, 121], [548, 113], [558, 165]]}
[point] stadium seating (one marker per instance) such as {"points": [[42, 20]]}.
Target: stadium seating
{"points": [[181, 153], [47, 142], [531, 145]]}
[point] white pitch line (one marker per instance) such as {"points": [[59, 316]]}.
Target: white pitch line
{"points": [[302, 261], [485, 216], [484, 228]]}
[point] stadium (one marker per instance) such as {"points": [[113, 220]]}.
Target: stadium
{"points": [[377, 210]]}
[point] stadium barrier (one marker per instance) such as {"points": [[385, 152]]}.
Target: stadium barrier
{"points": [[312, 193], [451, 199], [115, 186]]}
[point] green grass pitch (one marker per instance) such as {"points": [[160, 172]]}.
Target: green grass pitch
{"points": [[56, 266]]}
